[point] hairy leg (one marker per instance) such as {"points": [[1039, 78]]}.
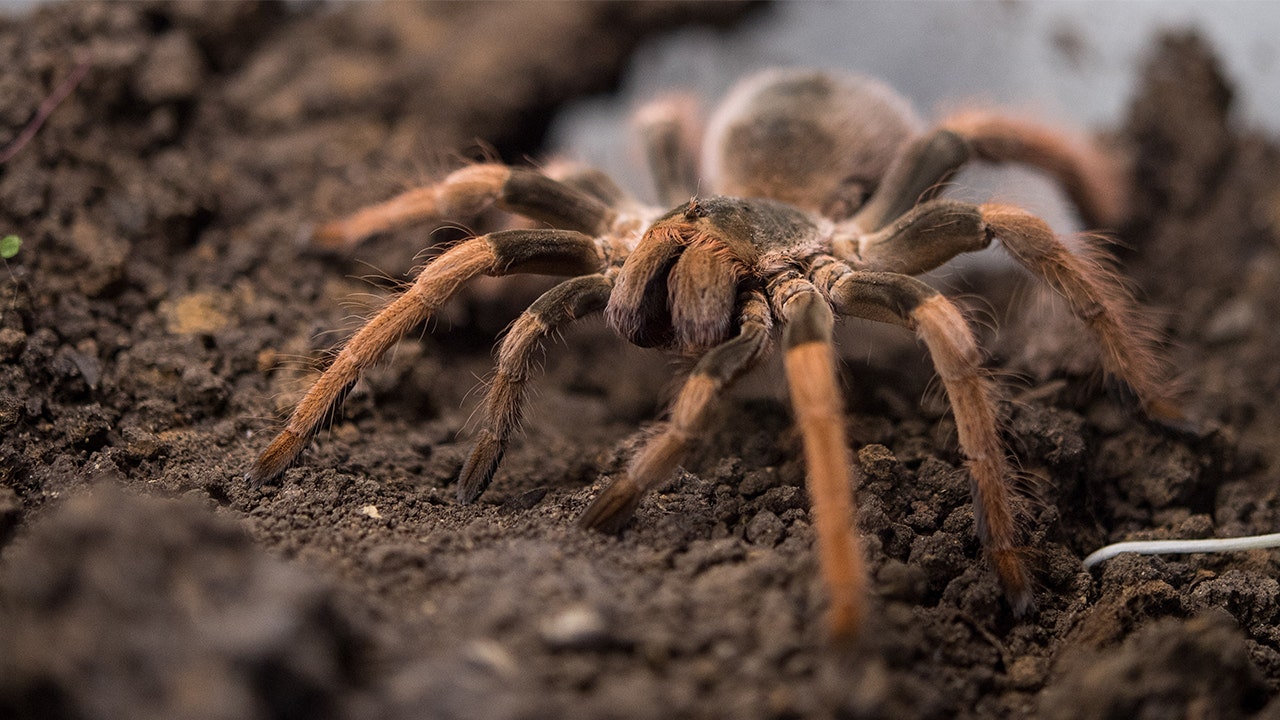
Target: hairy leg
{"points": [[932, 233], [466, 193], [915, 176], [924, 238], [558, 252], [504, 402], [701, 290], [1092, 179], [639, 309], [819, 410], [590, 181], [655, 462], [1096, 294], [894, 298], [668, 131]]}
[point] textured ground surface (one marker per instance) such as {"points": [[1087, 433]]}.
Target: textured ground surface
{"points": [[161, 314]]}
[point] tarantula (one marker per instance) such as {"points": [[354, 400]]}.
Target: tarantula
{"points": [[827, 205]]}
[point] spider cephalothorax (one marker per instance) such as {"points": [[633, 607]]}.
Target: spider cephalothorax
{"points": [[829, 208]]}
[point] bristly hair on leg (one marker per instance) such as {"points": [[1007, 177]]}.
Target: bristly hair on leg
{"points": [[1096, 182], [1097, 295], [974, 399]]}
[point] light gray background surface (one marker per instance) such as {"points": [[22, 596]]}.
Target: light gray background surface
{"points": [[1074, 63]]}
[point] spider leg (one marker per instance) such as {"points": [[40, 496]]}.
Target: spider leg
{"points": [[1096, 294], [935, 231], [700, 291], [924, 237], [816, 399], [668, 132], [593, 182], [467, 193], [504, 401], [893, 298], [1092, 179], [655, 462], [639, 309], [919, 170], [556, 252]]}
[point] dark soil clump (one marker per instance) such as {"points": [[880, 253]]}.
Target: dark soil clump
{"points": [[161, 314]]}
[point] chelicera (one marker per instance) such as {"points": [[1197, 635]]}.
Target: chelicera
{"points": [[825, 204]]}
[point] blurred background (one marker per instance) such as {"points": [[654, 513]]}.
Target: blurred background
{"points": [[1074, 63]]}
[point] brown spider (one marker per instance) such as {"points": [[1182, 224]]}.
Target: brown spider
{"points": [[827, 207]]}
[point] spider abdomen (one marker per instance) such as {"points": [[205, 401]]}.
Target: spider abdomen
{"points": [[817, 140]]}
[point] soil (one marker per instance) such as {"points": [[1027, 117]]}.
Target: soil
{"points": [[161, 314]]}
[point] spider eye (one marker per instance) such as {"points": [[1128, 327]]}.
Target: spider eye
{"points": [[695, 210]]}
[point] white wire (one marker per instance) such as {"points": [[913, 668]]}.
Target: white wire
{"points": [[1182, 547]]}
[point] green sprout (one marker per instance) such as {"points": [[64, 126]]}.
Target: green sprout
{"points": [[9, 246]]}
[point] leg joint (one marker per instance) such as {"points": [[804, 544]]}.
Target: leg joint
{"points": [[881, 296], [545, 252]]}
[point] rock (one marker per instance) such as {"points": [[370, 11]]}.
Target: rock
{"points": [[580, 627]]}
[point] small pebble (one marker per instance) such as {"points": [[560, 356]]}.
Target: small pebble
{"points": [[1027, 672], [490, 657], [174, 70], [759, 481], [900, 581], [576, 628], [371, 511], [781, 499], [765, 529], [1232, 322], [11, 342]]}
